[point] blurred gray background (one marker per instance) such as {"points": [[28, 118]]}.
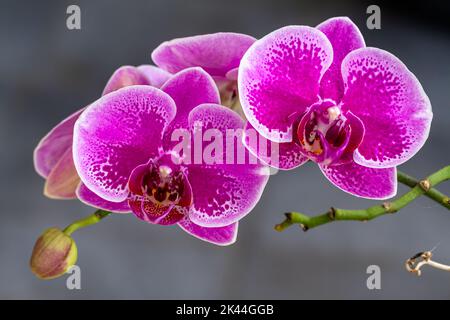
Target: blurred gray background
{"points": [[47, 72]]}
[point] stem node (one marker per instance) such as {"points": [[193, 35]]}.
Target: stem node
{"points": [[425, 184], [389, 207], [332, 213]]}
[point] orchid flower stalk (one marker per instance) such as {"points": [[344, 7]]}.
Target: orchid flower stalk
{"points": [[422, 187]]}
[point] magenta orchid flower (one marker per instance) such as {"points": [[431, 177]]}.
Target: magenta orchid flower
{"points": [[357, 112], [124, 154], [53, 155], [219, 54]]}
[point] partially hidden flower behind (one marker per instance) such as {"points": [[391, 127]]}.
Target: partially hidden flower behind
{"points": [[53, 155], [53, 254], [126, 156], [219, 54], [322, 95]]}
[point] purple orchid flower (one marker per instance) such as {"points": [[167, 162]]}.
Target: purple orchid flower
{"points": [[323, 96], [125, 155], [53, 155], [219, 54]]}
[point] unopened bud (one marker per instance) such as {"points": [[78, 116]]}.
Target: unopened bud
{"points": [[53, 254]]}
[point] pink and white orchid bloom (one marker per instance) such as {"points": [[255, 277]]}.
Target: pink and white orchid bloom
{"points": [[124, 154], [324, 96]]}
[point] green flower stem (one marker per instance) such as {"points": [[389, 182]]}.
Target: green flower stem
{"points": [[419, 188], [432, 193], [94, 218]]}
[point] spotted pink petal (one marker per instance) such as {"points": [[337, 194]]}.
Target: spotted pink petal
{"points": [[360, 181], [391, 103], [123, 77], [154, 75], [285, 156], [345, 37], [223, 192], [117, 133], [53, 146], [279, 78], [63, 180], [216, 53], [91, 199], [222, 236], [188, 88]]}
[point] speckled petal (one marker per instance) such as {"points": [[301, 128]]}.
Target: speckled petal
{"points": [[370, 183], [284, 156], [345, 37], [91, 199], [222, 236], [123, 77], [117, 133], [391, 103], [216, 53], [155, 76], [188, 88], [223, 193], [279, 78], [53, 146]]}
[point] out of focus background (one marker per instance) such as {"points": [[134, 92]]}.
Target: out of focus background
{"points": [[47, 72]]}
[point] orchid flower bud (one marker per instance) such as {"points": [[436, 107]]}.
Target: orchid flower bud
{"points": [[53, 254]]}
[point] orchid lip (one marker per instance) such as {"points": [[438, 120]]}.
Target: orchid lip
{"points": [[162, 185], [324, 133], [160, 191]]}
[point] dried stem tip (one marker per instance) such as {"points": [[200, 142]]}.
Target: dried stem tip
{"points": [[415, 263]]}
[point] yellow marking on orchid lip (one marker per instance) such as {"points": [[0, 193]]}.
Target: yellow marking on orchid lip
{"points": [[316, 147]]}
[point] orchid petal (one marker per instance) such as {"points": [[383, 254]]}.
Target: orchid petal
{"points": [[91, 199], [117, 133], [232, 75], [223, 193], [54, 145], [63, 180], [279, 78], [216, 53], [222, 236], [188, 88], [155, 76], [123, 77], [345, 37], [370, 183], [390, 101]]}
